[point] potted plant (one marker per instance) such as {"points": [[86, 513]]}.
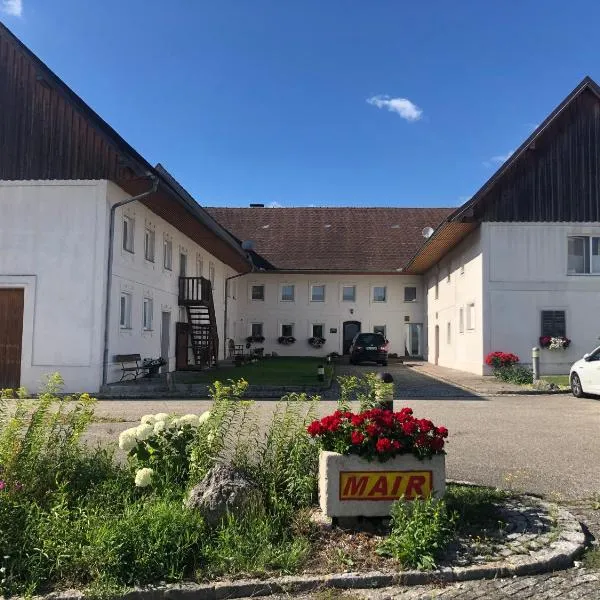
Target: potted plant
{"points": [[316, 342], [286, 340], [558, 342], [370, 459]]}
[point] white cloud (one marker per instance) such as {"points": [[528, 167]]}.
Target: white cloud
{"points": [[498, 159], [12, 7], [401, 106], [274, 205]]}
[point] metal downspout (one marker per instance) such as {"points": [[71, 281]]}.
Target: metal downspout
{"points": [[225, 311], [111, 237]]}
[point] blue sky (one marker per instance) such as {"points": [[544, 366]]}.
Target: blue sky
{"points": [[312, 102]]}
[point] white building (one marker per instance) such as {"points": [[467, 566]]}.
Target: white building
{"points": [[519, 261]]}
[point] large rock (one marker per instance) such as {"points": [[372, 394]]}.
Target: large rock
{"points": [[223, 490]]}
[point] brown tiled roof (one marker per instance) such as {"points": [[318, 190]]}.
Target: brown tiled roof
{"points": [[332, 239]]}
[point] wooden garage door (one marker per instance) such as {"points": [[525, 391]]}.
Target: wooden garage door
{"points": [[11, 334]]}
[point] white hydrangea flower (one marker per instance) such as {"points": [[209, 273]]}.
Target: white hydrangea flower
{"points": [[148, 419], [174, 422], [188, 420], [210, 437], [204, 417], [144, 431], [127, 439], [161, 417], [159, 426], [143, 477]]}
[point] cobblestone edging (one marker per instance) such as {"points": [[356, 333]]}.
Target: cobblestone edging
{"points": [[564, 543]]}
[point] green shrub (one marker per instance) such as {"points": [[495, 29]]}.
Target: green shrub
{"points": [[514, 374], [421, 530], [367, 390], [260, 542]]}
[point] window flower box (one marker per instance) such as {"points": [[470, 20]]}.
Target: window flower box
{"points": [[371, 459], [316, 342], [286, 340], [555, 343]]}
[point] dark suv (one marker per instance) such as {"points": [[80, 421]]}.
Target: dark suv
{"points": [[369, 347]]}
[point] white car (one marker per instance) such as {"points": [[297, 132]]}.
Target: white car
{"points": [[585, 374]]}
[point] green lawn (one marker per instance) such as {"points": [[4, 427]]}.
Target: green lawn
{"points": [[560, 380], [268, 371]]}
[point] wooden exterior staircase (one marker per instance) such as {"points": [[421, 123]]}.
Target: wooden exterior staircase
{"points": [[198, 337]]}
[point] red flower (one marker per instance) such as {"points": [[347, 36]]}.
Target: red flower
{"points": [[357, 438], [314, 429], [403, 415], [373, 429], [383, 445], [357, 420], [425, 425], [437, 443], [409, 427], [396, 445], [442, 431]]}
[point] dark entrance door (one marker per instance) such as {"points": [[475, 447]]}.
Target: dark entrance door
{"points": [[351, 328], [11, 335]]}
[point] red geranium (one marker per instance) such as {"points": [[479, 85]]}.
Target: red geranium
{"points": [[379, 433], [498, 360]]}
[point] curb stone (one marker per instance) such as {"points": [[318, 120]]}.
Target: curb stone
{"points": [[569, 544]]}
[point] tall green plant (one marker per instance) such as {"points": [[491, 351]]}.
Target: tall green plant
{"points": [[367, 390]]}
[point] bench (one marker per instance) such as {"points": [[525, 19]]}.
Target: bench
{"points": [[134, 370]]}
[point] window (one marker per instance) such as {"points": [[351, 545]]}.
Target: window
{"points": [[287, 294], [128, 234], [317, 293], [448, 332], [349, 293], [148, 314], [199, 266], [554, 323], [125, 312], [168, 255], [379, 329], [258, 292], [318, 330], [583, 255], [287, 330], [211, 274], [256, 330], [410, 294], [149, 244], [471, 315], [461, 320], [379, 294], [182, 264]]}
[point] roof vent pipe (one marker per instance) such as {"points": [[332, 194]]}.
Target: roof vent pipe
{"points": [[257, 206]]}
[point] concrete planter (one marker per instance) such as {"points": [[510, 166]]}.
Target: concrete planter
{"points": [[350, 486]]}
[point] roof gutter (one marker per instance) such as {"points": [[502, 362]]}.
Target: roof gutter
{"points": [[109, 270]]}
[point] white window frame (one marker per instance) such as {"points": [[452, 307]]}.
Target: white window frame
{"points": [[125, 310], [284, 285], [282, 325], [312, 329], [348, 285], [199, 266], [461, 320], [262, 329], [471, 317], [315, 285], [183, 272], [257, 285], [589, 246], [148, 314], [128, 234], [211, 274], [385, 297], [411, 287], [384, 333], [167, 254], [149, 244]]}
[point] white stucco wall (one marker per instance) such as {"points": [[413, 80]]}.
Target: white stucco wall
{"points": [[527, 264], [463, 288], [51, 244], [135, 275], [272, 312]]}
